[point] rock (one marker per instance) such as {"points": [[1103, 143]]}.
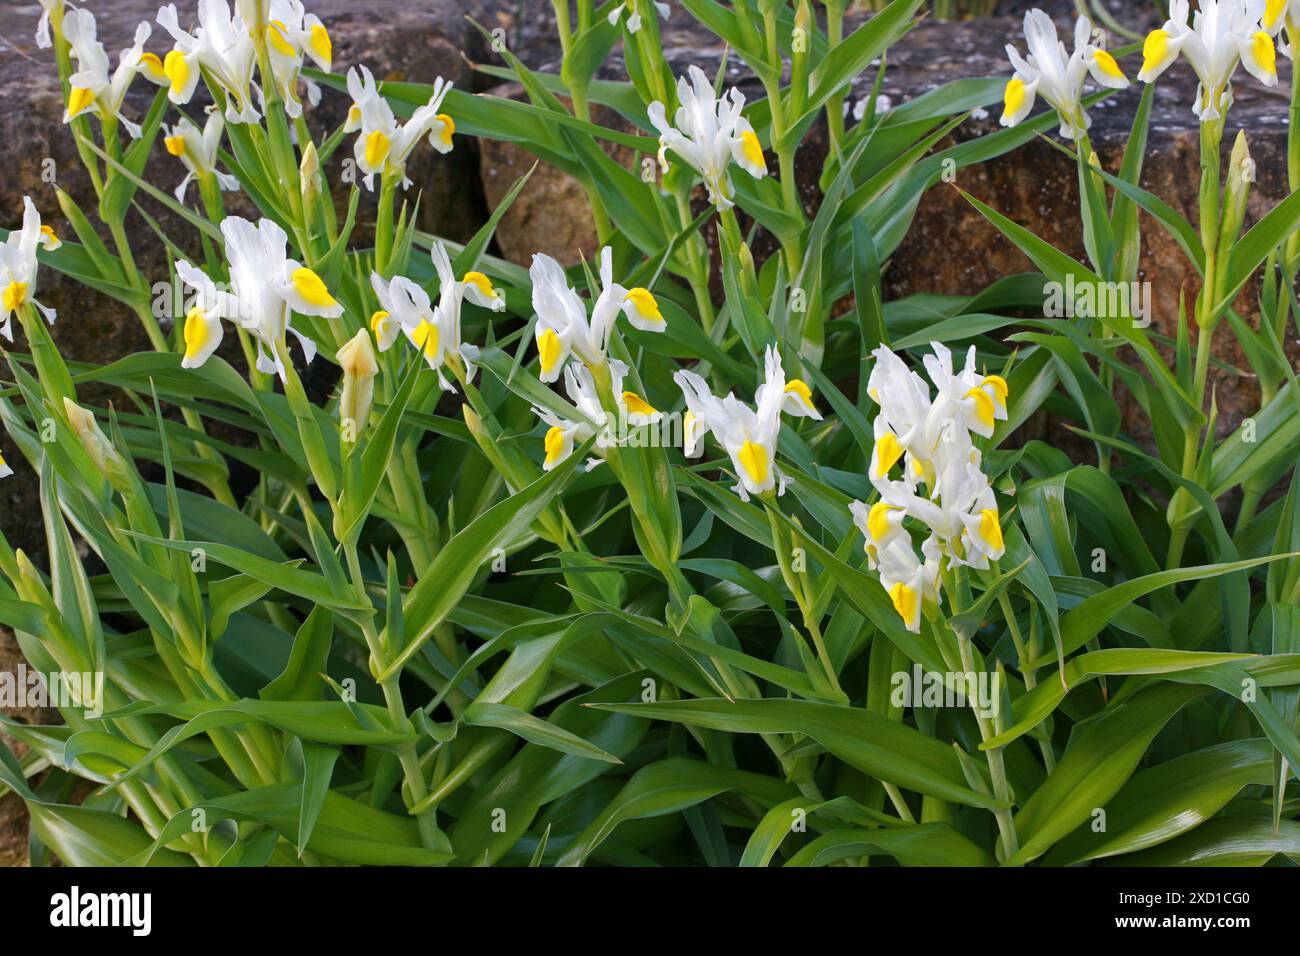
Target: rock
{"points": [[551, 213]]}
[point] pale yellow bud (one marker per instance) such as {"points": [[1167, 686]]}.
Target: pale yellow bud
{"points": [[309, 173], [93, 440], [357, 360], [1241, 174]]}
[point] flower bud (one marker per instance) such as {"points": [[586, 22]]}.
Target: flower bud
{"points": [[92, 439], [29, 582], [1241, 174], [309, 180], [357, 360]]}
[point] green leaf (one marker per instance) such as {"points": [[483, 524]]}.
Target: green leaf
{"points": [[666, 787], [444, 582], [1102, 755], [875, 745], [927, 844], [533, 729]]}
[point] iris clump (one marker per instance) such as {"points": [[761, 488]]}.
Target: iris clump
{"points": [[402, 617]]}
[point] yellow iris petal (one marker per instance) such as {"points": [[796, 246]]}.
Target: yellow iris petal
{"points": [[991, 529], [312, 288], [278, 35], [78, 99], [1265, 53], [753, 458], [645, 304], [481, 282], [321, 44], [904, 601], [448, 128], [983, 406], [176, 70], [799, 387], [548, 350], [175, 145], [999, 386], [377, 145], [637, 405], [1154, 49], [878, 520], [752, 150], [1107, 64], [1013, 97], [888, 451], [377, 321], [15, 294], [196, 333], [151, 64], [425, 337], [52, 241], [554, 444]]}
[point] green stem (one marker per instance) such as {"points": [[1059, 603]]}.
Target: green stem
{"points": [[835, 105], [697, 258], [384, 223], [407, 754]]}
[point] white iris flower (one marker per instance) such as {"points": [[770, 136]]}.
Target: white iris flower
{"points": [[1056, 76], [384, 145], [18, 267], [222, 44], [92, 87], [708, 133], [563, 433], [748, 435], [291, 35], [266, 287], [435, 331], [197, 150], [1222, 33], [927, 436], [562, 328]]}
